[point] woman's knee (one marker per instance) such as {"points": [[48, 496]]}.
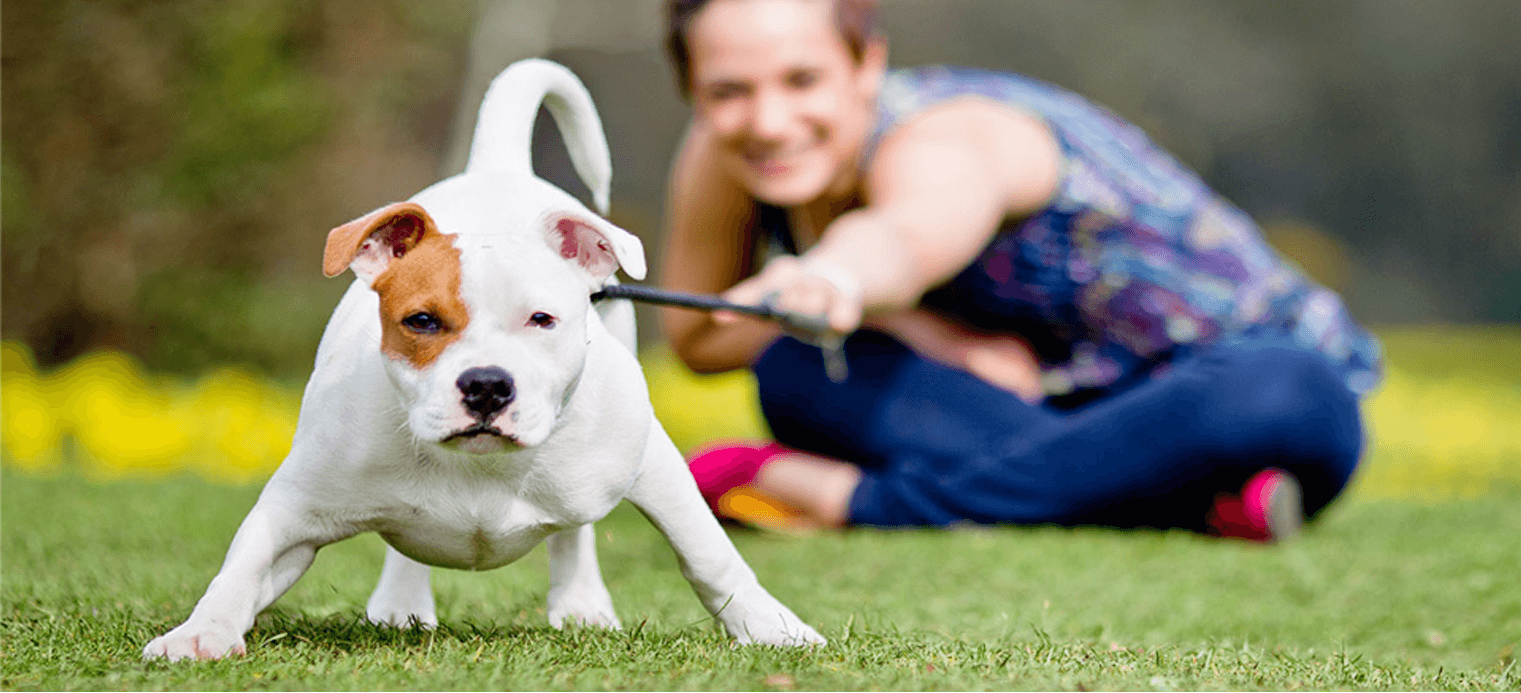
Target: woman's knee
{"points": [[1289, 404], [1281, 383]]}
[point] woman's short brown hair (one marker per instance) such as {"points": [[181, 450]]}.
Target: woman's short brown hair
{"points": [[856, 20]]}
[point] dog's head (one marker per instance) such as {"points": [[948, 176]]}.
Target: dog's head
{"points": [[484, 310]]}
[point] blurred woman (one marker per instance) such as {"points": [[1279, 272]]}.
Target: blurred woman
{"points": [[1049, 319]]}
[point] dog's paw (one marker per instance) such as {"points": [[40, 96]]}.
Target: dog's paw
{"points": [[402, 618], [409, 614], [781, 631], [762, 620], [584, 607], [186, 642]]}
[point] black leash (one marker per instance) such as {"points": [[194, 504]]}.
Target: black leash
{"points": [[811, 324], [817, 326]]}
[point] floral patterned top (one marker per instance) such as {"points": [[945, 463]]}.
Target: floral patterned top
{"points": [[1133, 256]]}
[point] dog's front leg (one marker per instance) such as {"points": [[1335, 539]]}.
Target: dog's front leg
{"points": [[404, 595], [667, 495], [576, 591], [272, 549]]}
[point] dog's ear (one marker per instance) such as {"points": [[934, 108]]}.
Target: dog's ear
{"points": [[597, 247], [369, 244]]}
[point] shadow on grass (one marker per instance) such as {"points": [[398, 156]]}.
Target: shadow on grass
{"points": [[351, 634]]}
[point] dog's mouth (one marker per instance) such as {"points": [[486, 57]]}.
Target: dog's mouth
{"points": [[480, 438]]}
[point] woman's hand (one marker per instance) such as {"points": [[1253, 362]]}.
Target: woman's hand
{"points": [[1003, 360], [807, 286]]}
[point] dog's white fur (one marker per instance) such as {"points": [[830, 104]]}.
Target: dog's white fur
{"points": [[373, 452]]}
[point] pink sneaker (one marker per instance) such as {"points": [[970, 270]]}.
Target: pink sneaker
{"points": [[723, 466], [723, 475], [1269, 509]]}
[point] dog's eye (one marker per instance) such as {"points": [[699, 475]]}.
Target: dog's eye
{"points": [[544, 320], [423, 323]]}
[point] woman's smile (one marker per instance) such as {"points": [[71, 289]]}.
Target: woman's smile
{"points": [[777, 160], [778, 89]]}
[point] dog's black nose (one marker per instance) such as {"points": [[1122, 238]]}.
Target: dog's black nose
{"points": [[486, 391]]}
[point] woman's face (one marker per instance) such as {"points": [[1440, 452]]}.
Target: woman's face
{"points": [[788, 105]]}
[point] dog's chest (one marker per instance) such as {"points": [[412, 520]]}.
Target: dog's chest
{"points": [[472, 533]]}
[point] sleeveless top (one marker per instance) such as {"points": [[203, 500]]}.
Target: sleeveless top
{"points": [[1133, 257]]}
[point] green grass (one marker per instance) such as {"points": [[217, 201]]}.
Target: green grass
{"points": [[1379, 595]]}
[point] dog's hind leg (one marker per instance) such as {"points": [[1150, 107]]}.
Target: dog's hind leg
{"points": [[404, 595], [576, 591]]}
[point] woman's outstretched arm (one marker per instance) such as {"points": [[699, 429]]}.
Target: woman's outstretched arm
{"points": [[937, 191]]}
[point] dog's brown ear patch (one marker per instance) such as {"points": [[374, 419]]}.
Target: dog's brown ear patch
{"points": [[421, 310], [399, 251], [370, 243]]}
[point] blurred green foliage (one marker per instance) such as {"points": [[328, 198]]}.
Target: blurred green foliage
{"points": [[203, 318], [249, 100], [171, 168]]}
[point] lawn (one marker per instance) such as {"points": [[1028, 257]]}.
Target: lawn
{"points": [[1411, 582], [1381, 594]]}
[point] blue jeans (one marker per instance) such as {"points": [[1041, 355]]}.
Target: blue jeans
{"points": [[938, 446]]}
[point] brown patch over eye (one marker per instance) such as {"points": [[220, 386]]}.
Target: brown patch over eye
{"points": [[422, 288]]}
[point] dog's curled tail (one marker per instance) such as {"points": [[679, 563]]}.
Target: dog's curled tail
{"points": [[504, 128]]}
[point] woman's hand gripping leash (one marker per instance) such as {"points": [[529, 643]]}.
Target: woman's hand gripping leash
{"points": [[812, 301], [820, 303]]}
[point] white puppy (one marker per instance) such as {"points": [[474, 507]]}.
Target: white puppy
{"points": [[468, 402]]}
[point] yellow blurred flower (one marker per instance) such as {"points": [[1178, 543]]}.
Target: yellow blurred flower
{"points": [[1433, 437], [246, 426], [1446, 421], [126, 427], [229, 426], [697, 409], [30, 431]]}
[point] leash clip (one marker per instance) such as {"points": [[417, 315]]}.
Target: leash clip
{"points": [[815, 330]]}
